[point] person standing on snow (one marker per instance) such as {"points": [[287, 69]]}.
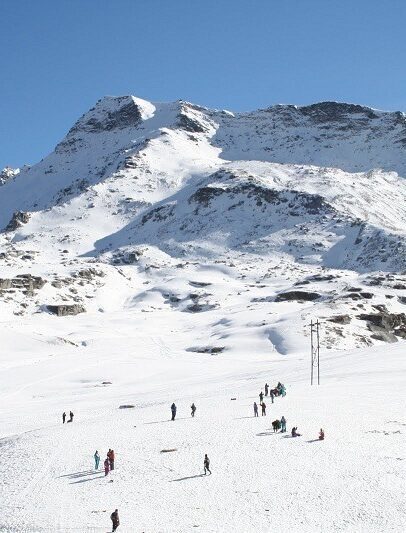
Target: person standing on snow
{"points": [[63, 417], [106, 466], [111, 456], [70, 416], [266, 389], [206, 464], [263, 405], [261, 396], [173, 409], [115, 519], [96, 460], [272, 395], [283, 425], [193, 407], [255, 409]]}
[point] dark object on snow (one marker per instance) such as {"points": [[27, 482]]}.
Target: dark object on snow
{"points": [[255, 409], [295, 433], [66, 310], [70, 417], [206, 464], [173, 410], [276, 424], [233, 398], [321, 434], [300, 296], [63, 418], [126, 406], [193, 407], [169, 450], [283, 424], [115, 519], [263, 406]]}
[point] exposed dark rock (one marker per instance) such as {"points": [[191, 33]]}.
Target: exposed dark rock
{"points": [[199, 284], [207, 349], [300, 296], [18, 219], [66, 310], [390, 322], [340, 319]]}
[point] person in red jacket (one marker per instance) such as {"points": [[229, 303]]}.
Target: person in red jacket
{"points": [[110, 455]]}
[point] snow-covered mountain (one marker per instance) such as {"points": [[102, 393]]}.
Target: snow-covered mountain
{"points": [[287, 193], [172, 253]]}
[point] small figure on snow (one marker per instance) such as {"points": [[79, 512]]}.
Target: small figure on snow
{"points": [[115, 519], [255, 409], [283, 424], [206, 464], [261, 396], [295, 433], [96, 460], [70, 416], [110, 456], [263, 405], [272, 395], [193, 407], [173, 410], [106, 466], [321, 434], [63, 417], [266, 389], [276, 425]]}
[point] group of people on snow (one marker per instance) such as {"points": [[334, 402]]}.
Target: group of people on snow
{"points": [[174, 409], [64, 417], [279, 390], [108, 462]]}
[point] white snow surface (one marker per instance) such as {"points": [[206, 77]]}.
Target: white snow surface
{"points": [[179, 229]]}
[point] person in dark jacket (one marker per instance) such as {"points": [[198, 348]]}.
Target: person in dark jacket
{"points": [[261, 396], [193, 407], [321, 434], [272, 395], [206, 464], [266, 389], [63, 417], [70, 416], [255, 409], [173, 410], [263, 405], [115, 519], [295, 433], [106, 466]]}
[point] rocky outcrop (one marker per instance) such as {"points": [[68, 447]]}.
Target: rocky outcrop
{"points": [[24, 282], [66, 310], [394, 323], [18, 219], [299, 296]]}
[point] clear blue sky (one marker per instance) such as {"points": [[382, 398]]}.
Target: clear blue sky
{"points": [[58, 57]]}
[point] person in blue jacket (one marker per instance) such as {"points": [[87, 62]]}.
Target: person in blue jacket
{"points": [[283, 424], [96, 460]]}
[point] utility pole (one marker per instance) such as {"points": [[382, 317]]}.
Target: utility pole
{"points": [[315, 350]]}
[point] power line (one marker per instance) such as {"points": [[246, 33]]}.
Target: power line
{"points": [[315, 350]]}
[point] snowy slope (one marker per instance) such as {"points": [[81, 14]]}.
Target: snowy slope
{"points": [[196, 246]]}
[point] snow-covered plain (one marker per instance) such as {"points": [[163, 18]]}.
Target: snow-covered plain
{"points": [[353, 481], [200, 244]]}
